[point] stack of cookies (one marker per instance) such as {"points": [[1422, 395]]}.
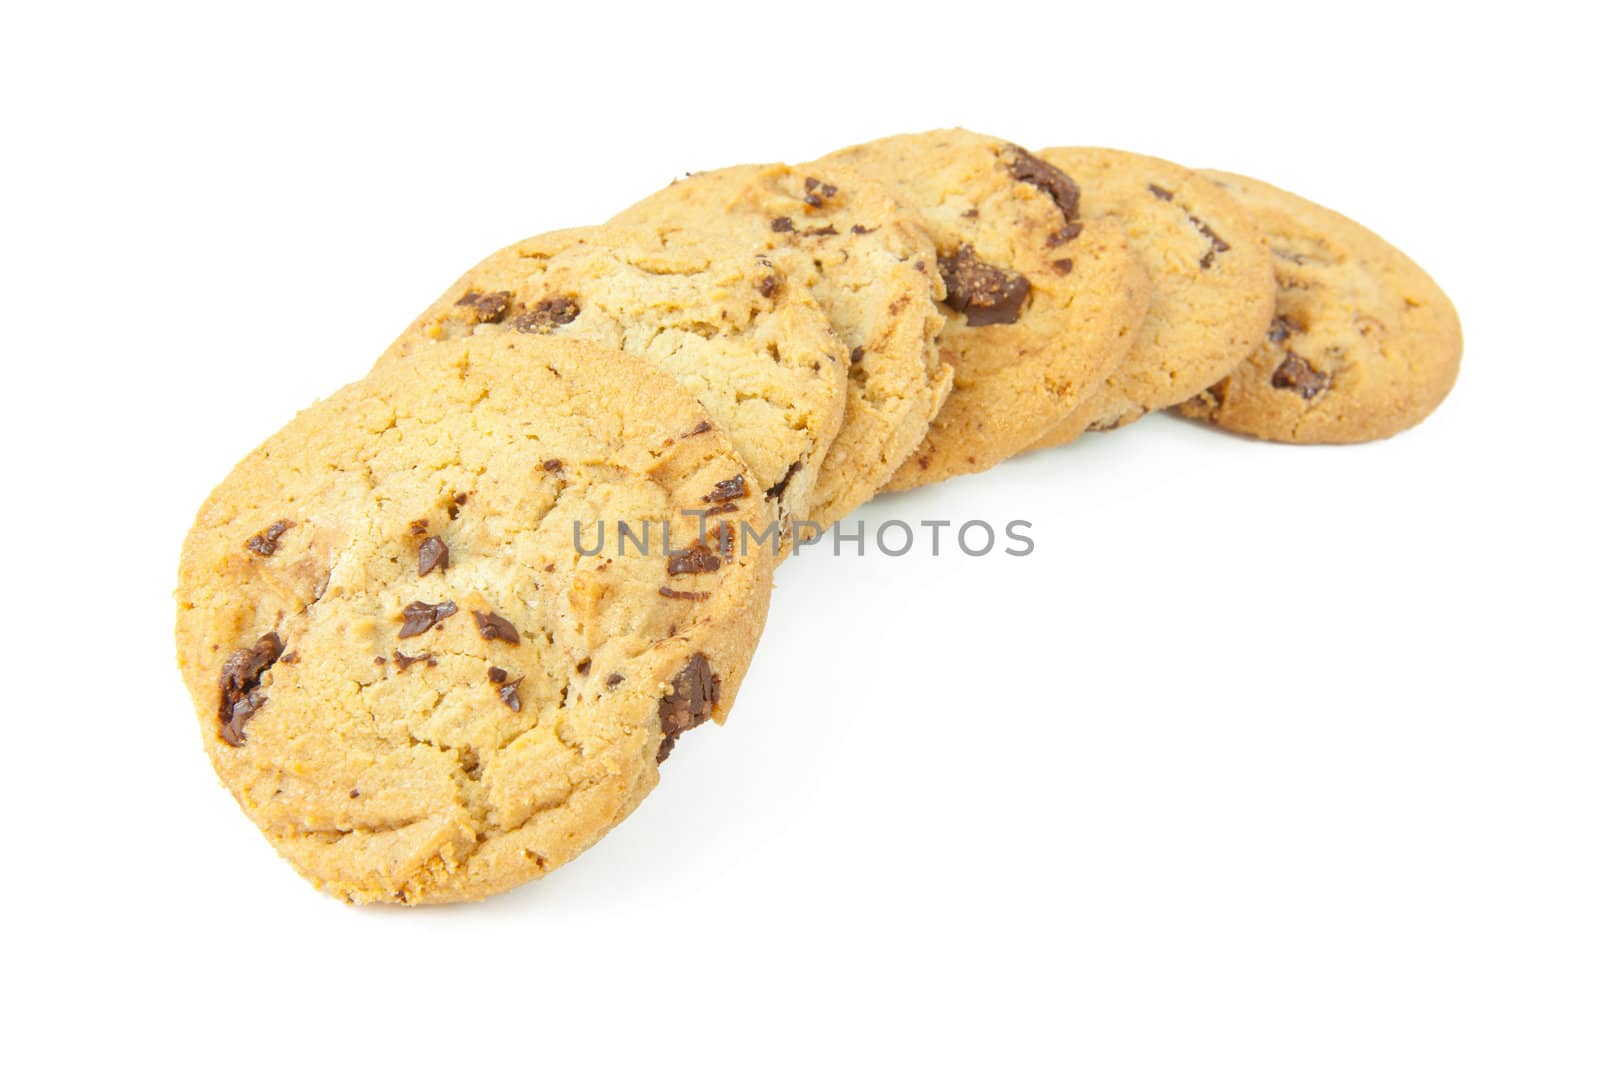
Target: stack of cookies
{"points": [[442, 629]]}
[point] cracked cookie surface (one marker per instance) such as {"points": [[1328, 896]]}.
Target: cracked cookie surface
{"points": [[1041, 304], [1362, 343], [873, 271], [406, 670], [1211, 287], [721, 318]]}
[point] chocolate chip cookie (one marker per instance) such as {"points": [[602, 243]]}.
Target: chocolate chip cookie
{"points": [[1041, 303], [1211, 288], [720, 317], [1362, 343], [873, 271], [423, 662]]}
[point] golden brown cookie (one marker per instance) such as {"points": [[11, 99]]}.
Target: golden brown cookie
{"points": [[873, 271], [720, 317], [1211, 289], [422, 661], [1041, 304], [1363, 344]]}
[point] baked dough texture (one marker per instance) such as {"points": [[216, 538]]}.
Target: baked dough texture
{"points": [[1041, 303], [873, 271], [720, 317], [1211, 286], [1362, 343], [408, 668]]}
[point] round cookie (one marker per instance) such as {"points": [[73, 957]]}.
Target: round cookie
{"points": [[1211, 289], [410, 668], [873, 271], [719, 317], [1041, 304], [1362, 344]]}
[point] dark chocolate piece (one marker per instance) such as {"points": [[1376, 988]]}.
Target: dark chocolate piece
{"points": [[403, 661], [546, 315], [698, 558], [265, 543], [694, 696], [420, 617], [1052, 180], [986, 295], [1295, 374], [817, 192], [238, 693], [432, 554], [485, 307], [731, 489], [492, 627]]}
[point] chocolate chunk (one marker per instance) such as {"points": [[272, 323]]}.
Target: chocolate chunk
{"points": [[1280, 330], [506, 687], [732, 489], [694, 696], [1065, 234], [1295, 374], [675, 594], [1061, 266], [1159, 193], [859, 229], [820, 231], [551, 465], [265, 543], [420, 617], [817, 192], [777, 490], [494, 628], [698, 558], [419, 527], [485, 307], [546, 315], [613, 680], [699, 428], [783, 224], [238, 697], [986, 295], [856, 353], [1026, 167], [1217, 243], [722, 509], [768, 285], [430, 554], [402, 661]]}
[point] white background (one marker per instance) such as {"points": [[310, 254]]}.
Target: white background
{"points": [[1267, 755]]}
